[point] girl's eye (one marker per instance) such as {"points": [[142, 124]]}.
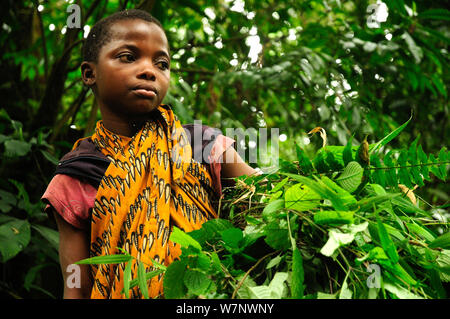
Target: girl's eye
{"points": [[126, 57], [163, 65]]}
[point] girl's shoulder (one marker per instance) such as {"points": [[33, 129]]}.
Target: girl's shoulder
{"points": [[84, 162]]}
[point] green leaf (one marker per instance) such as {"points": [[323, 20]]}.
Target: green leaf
{"points": [[322, 295], [400, 292], [397, 6], [277, 285], [413, 79], [378, 253], [437, 81], [406, 205], [174, 287], [31, 275], [106, 259], [273, 207], [443, 265], [142, 280], [436, 283], [197, 282], [337, 239], [127, 279], [413, 160], [4, 115], [389, 137], [298, 275], [7, 201], [442, 241], [386, 242], [216, 264], [366, 204], [303, 160], [378, 175], [424, 170], [15, 148], [210, 230], [321, 189], [148, 275], [14, 237], [331, 161], [51, 235], [435, 14], [351, 176], [301, 198], [421, 231], [275, 290], [333, 218], [391, 173], [260, 292], [345, 292], [347, 154], [403, 173], [277, 237], [345, 198], [320, 163], [279, 185], [23, 197], [443, 158], [274, 262], [434, 168], [158, 265], [232, 237], [180, 237], [50, 157], [415, 50]]}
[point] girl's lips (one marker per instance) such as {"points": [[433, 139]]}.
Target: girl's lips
{"points": [[145, 93]]}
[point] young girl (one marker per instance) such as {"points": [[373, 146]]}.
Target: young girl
{"points": [[141, 172]]}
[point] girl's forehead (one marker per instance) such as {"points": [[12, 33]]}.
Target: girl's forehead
{"points": [[136, 29]]}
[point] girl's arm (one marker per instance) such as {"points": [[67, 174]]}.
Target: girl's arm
{"points": [[233, 165], [73, 246]]}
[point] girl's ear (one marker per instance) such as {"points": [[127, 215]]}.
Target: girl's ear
{"points": [[88, 73]]}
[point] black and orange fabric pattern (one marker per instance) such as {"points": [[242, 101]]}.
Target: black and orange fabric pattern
{"points": [[151, 184]]}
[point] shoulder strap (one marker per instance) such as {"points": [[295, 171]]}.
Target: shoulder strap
{"points": [[85, 161]]}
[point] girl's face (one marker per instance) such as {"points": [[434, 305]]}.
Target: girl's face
{"points": [[132, 74]]}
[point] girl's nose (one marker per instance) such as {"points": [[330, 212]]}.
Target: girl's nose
{"points": [[146, 71]]}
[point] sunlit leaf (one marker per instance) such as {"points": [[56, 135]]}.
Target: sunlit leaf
{"points": [[180, 237], [351, 176], [300, 197]]}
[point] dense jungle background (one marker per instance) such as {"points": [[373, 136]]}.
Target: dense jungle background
{"points": [[358, 69]]}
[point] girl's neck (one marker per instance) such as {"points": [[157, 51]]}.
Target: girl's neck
{"points": [[123, 127]]}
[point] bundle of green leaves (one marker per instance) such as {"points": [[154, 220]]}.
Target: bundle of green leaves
{"points": [[319, 228]]}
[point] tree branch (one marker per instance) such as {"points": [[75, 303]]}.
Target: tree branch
{"points": [[44, 42], [70, 113]]}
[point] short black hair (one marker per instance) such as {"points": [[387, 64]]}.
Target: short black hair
{"points": [[100, 33]]}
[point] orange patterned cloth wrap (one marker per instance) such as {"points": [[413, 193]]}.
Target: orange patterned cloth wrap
{"points": [[152, 184]]}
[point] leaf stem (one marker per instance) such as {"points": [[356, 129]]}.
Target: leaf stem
{"points": [[233, 296]]}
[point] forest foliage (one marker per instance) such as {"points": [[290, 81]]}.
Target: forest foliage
{"points": [[378, 88]]}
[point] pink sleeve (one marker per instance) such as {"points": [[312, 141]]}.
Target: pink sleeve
{"points": [[221, 144], [71, 199]]}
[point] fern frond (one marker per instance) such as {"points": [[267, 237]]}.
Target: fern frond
{"points": [[412, 166]]}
